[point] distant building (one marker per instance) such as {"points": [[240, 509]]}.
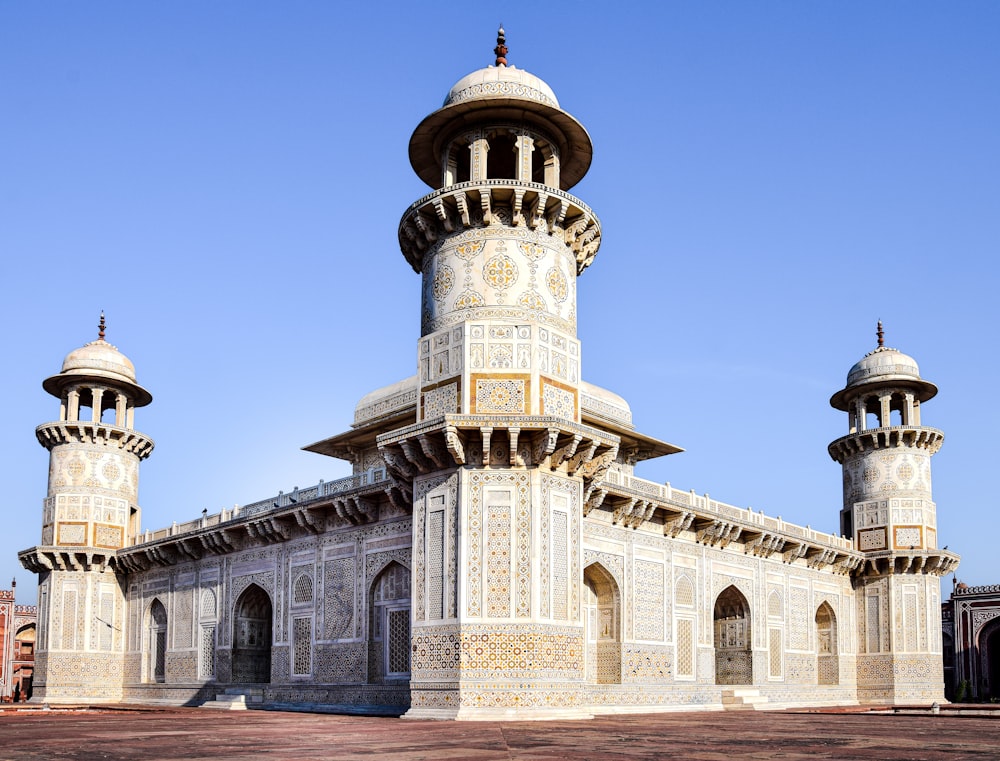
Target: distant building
{"points": [[971, 633], [494, 554], [17, 635]]}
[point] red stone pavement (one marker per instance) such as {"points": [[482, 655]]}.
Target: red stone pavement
{"points": [[192, 733]]}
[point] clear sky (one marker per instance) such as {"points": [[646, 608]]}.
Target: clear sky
{"points": [[225, 181]]}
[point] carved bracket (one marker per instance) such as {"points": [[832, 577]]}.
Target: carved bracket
{"points": [[673, 526]]}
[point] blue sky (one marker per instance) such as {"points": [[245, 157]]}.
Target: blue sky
{"points": [[225, 180]]}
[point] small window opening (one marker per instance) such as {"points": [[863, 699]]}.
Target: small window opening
{"points": [[501, 162], [461, 162]]}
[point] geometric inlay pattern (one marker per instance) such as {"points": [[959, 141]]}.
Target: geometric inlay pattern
{"points": [[500, 396], [558, 402], [440, 401]]}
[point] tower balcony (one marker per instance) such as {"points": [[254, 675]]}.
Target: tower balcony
{"points": [[499, 201], [51, 435], [888, 437]]}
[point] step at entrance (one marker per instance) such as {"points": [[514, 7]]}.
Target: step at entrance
{"points": [[742, 699]]}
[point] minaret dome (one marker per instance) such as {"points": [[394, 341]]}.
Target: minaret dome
{"points": [[507, 99]]}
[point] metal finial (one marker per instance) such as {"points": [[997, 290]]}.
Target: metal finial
{"points": [[100, 328], [881, 334], [501, 49]]}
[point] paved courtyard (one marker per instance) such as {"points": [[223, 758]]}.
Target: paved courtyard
{"points": [[190, 733]]}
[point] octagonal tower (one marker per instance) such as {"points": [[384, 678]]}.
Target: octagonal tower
{"points": [[499, 460], [889, 512], [499, 244], [91, 510], [497, 445]]}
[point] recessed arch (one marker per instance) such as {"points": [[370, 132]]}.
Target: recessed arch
{"points": [[302, 589], [732, 622], [775, 604], [155, 642], [989, 655], [827, 662], [684, 592], [24, 658], [252, 626], [389, 624], [602, 610]]}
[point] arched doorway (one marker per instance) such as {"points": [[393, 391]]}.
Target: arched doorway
{"points": [[24, 660], [389, 624], [992, 664], [156, 642], [602, 615], [733, 661], [827, 664], [252, 616]]}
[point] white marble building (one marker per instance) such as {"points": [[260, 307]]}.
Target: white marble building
{"points": [[494, 554]]}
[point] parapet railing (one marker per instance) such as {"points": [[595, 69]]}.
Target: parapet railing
{"points": [[988, 589], [322, 490], [703, 503]]}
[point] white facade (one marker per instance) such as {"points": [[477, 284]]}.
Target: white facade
{"points": [[494, 554]]}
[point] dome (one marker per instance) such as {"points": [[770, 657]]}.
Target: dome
{"points": [[98, 360], [388, 400], [501, 94], [501, 81], [883, 368], [883, 364]]}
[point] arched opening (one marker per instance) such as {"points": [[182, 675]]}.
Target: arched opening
{"points": [[501, 161], [544, 164], [948, 655], [733, 661], [458, 167], [156, 642], [992, 665], [85, 406], [873, 413], [24, 661], [602, 614], [827, 665], [252, 617], [389, 625], [897, 410]]}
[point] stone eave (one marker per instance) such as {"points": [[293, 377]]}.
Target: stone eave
{"points": [[637, 503], [262, 527], [636, 445], [345, 446]]}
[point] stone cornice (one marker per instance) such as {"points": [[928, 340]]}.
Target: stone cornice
{"points": [[532, 204], [916, 436], [42, 559], [51, 435], [351, 502], [507, 441], [895, 562], [636, 503]]}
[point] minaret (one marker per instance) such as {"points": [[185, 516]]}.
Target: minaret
{"points": [[90, 511], [889, 512], [499, 461]]}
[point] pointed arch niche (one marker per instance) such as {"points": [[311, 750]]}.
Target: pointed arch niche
{"points": [[733, 657], [389, 624], [155, 643], [602, 613], [827, 664], [252, 617]]}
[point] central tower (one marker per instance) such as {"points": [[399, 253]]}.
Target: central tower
{"points": [[498, 459]]}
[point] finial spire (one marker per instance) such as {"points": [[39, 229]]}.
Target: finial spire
{"points": [[100, 327], [881, 335], [501, 49]]}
